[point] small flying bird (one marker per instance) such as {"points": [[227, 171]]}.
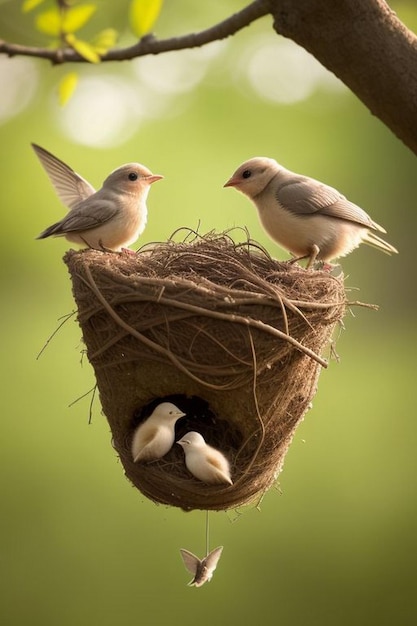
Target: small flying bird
{"points": [[203, 569], [111, 218], [204, 462], [306, 217], [155, 436]]}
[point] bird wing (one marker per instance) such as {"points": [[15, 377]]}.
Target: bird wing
{"points": [[302, 195], [149, 435], [215, 460], [82, 218], [70, 186]]}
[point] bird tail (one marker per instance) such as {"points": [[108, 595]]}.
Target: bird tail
{"points": [[54, 230], [51, 230], [373, 240]]}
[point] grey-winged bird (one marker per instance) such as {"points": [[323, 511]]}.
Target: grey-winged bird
{"points": [[205, 463], [111, 218], [155, 436], [306, 217], [201, 569]]}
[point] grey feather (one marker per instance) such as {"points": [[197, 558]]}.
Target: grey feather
{"points": [[70, 186], [376, 242], [303, 196], [79, 220]]}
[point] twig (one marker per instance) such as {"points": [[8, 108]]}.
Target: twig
{"points": [[84, 395], [48, 341], [258, 415], [150, 44]]}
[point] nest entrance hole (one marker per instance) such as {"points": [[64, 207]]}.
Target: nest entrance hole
{"points": [[200, 417], [217, 432]]}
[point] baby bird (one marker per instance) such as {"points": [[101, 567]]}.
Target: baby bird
{"points": [[109, 219], [201, 569], [306, 217], [155, 436], [204, 462]]}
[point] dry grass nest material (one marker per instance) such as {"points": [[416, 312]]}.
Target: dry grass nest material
{"points": [[231, 335]]}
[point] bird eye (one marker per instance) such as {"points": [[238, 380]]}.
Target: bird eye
{"points": [[132, 176], [247, 174]]}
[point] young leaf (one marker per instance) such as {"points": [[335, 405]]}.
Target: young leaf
{"points": [[143, 15], [28, 5], [83, 48], [49, 22], [76, 17], [104, 40], [67, 87]]}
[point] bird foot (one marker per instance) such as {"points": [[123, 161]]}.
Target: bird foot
{"points": [[311, 257]]}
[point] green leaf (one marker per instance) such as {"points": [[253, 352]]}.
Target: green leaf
{"points": [[49, 22], [143, 15], [83, 48], [28, 5], [76, 17], [104, 40], [67, 87]]}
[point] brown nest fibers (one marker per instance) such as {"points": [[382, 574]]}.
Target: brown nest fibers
{"points": [[233, 337]]}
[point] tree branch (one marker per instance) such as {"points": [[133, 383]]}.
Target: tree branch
{"points": [[149, 44], [365, 45]]}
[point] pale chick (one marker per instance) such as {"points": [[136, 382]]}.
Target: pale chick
{"points": [[201, 569], [111, 218], [155, 436], [306, 217], [205, 463]]}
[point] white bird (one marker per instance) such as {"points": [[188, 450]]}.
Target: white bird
{"points": [[201, 569], [205, 463], [155, 436], [306, 217], [111, 218]]}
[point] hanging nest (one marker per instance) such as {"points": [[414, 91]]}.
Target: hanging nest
{"points": [[230, 335]]}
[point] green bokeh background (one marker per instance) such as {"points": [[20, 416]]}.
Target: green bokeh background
{"points": [[336, 543]]}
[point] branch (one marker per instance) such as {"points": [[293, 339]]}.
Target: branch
{"points": [[365, 45], [149, 44]]}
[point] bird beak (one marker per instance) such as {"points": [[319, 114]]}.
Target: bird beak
{"points": [[153, 178], [230, 183]]}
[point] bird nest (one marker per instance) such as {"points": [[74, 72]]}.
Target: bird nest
{"points": [[233, 337]]}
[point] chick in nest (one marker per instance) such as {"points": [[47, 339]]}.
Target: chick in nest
{"points": [[155, 437], [203, 461]]}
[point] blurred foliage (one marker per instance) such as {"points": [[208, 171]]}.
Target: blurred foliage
{"points": [[336, 543], [62, 20], [143, 15]]}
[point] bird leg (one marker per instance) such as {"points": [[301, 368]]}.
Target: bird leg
{"points": [[103, 247], [295, 259], [313, 255]]}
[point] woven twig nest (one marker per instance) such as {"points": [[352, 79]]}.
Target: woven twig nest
{"points": [[230, 335]]}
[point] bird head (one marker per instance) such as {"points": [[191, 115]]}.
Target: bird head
{"points": [[168, 411], [191, 439], [253, 176], [131, 178]]}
